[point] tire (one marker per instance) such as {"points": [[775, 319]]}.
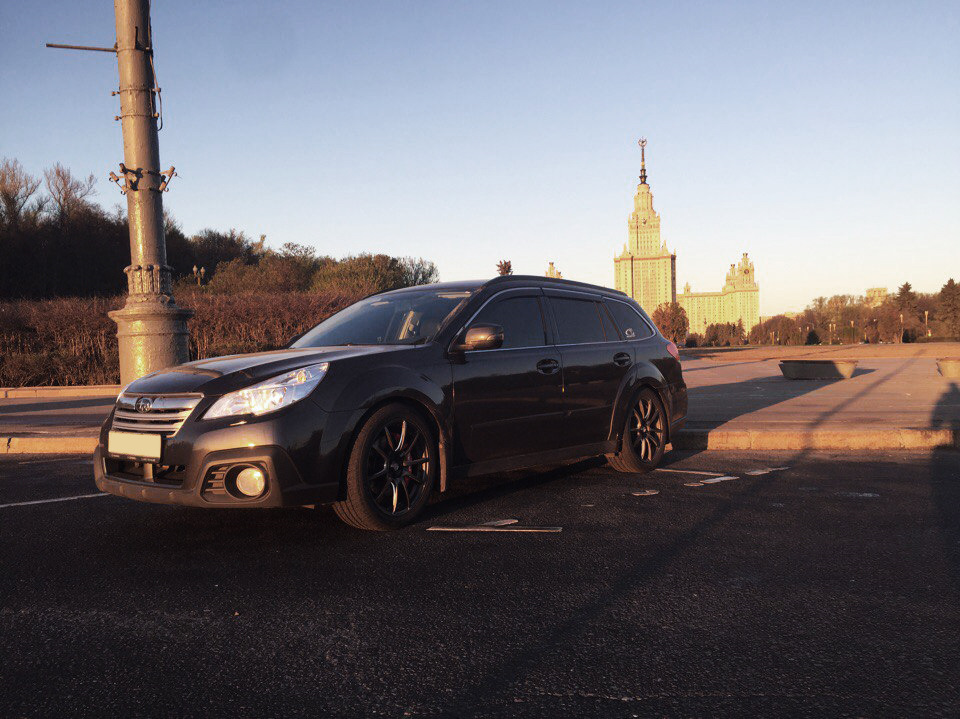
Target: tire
{"points": [[644, 435], [390, 471]]}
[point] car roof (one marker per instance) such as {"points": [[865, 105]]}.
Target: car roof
{"points": [[550, 282], [473, 285]]}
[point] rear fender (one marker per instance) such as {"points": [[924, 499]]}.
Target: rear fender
{"points": [[642, 374]]}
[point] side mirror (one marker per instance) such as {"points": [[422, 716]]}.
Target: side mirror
{"points": [[480, 337]]}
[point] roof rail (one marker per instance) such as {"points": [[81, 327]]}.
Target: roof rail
{"points": [[549, 281]]}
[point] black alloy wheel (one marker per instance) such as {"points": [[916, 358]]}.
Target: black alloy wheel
{"points": [[644, 436], [646, 428], [390, 471], [397, 466]]}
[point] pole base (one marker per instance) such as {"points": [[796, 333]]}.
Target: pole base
{"points": [[152, 335]]}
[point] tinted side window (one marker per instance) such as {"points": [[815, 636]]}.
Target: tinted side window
{"points": [[609, 329], [520, 318], [578, 321], [631, 324]]}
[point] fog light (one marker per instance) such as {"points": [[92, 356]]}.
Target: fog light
{"points": [[250, 482]]}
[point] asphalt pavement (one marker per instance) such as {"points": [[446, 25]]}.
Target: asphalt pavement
{"points": [[803, 584]]}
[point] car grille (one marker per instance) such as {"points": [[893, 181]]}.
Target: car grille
{"points": [[165, 415]]}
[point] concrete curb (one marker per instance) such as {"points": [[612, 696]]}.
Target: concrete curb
{"points": [[715, 439], [92, 390], [47, 445], [841, 439]]}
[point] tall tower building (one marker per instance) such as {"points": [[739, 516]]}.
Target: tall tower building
{"points": [[645, 270]]}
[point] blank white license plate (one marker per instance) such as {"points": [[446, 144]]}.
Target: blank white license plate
{"points": [[134, 444]]}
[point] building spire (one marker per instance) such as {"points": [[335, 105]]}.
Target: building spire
{"points": [[643, 160]]}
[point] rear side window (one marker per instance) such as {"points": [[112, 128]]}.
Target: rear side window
{"points": [[578, 321], [631, 324], [521, 319], [609, 329]]}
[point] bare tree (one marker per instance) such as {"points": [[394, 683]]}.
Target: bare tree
{"points": [[68, 193], [17, 186]]}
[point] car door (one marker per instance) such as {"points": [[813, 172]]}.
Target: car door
{"points": [[509, 401], [595, 362]]}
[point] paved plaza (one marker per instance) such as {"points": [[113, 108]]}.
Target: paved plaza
{"points": [[750, 394]]}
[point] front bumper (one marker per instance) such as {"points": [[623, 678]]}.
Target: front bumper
{"points": [[300, 458], [200, 488]]}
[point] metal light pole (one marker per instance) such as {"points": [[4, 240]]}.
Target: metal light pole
{"points": [[151, 329]]}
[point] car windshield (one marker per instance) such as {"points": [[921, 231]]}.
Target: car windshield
{"points": [[392, 319]]}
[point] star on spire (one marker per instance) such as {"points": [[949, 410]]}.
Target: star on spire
{"points": [[643, 160]]}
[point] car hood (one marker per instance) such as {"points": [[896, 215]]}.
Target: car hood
{"points": [[218, 375]]}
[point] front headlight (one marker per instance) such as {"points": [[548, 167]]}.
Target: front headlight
{"points": [[269, 395]]}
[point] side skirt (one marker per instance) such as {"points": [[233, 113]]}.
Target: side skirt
{"points": [[553, 456]]}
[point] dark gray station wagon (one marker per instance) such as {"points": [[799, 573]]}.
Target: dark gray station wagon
{"points": [[397, 396]]}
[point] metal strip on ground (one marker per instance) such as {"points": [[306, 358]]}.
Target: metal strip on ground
{"points": [[497, 525], [689, 471], [56, 499], [488, 528]]}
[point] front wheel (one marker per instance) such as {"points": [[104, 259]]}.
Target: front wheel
{"points": [[644, 436], [391, 470]]}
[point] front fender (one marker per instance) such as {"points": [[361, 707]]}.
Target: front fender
{"points": [[378, 383], [357, 398]]}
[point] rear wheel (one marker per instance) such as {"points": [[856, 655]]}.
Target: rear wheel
{"points": [[391, 470], [644, 436]]}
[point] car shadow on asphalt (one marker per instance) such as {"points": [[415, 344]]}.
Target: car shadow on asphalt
{"points": [[945, 482], [515, 667], [466, 493]]}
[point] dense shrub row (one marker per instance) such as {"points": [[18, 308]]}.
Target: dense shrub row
{"points": [[55, 241], [71, 341]]}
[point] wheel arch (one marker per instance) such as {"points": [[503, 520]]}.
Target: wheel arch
{"points": [[419, 404], [630, 389]]}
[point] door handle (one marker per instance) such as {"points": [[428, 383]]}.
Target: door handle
{"points": [[548, 366], [622, 359]]}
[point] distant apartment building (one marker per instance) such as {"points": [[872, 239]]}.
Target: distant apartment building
{"points": [[875, 296], [647, 271], [553, 272], [737, 301]]}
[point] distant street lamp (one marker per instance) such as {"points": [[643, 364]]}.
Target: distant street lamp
{"points": [[199, 274]]}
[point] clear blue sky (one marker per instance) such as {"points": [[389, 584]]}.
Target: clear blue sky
{"points": [[823, 137]]}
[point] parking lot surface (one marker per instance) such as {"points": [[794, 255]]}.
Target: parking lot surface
{"points": [[727, 584]]}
